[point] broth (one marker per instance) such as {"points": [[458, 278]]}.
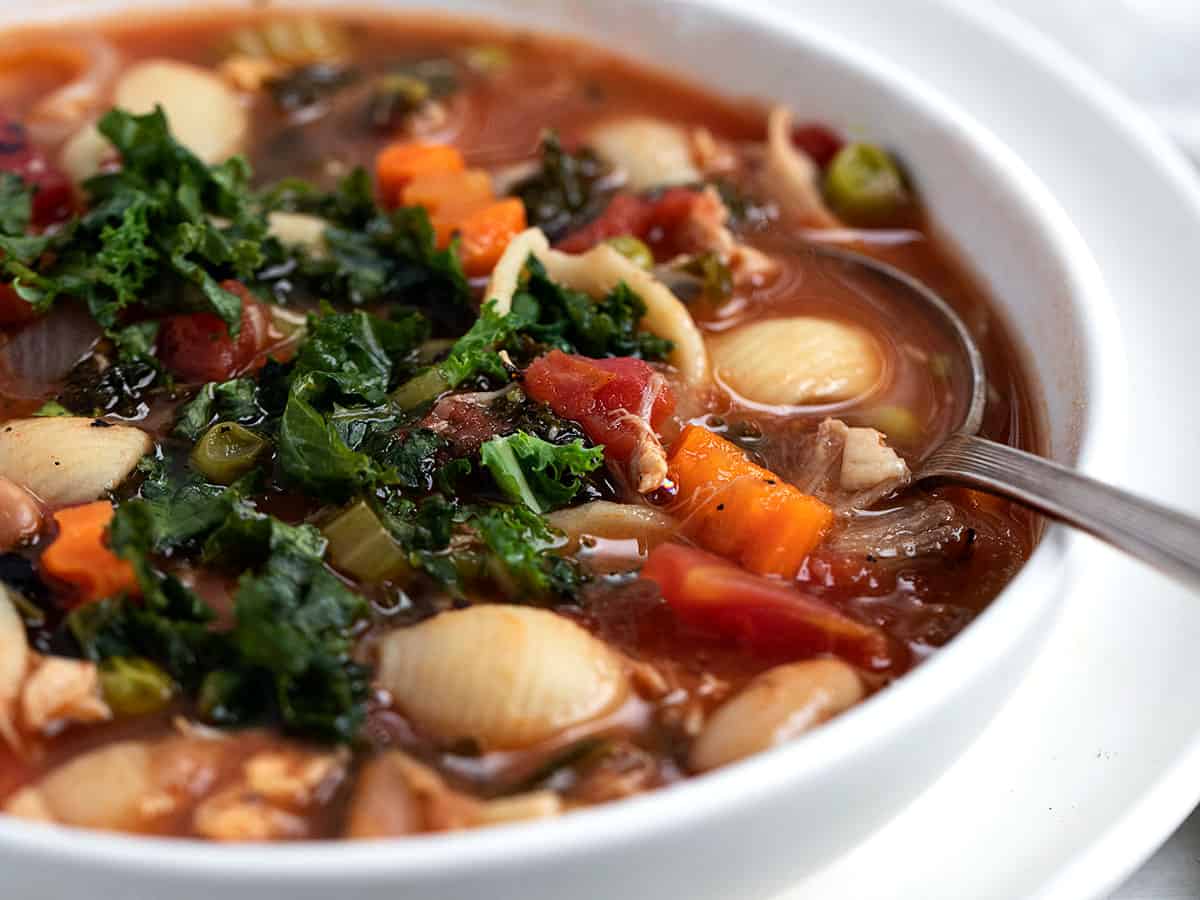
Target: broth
{"points": [[906, 591]]}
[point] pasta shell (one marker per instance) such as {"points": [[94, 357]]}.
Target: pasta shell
{"points": [[650, 152], [502, 676], [778, 705], [68, 460], [615, 521], [797, 361]]}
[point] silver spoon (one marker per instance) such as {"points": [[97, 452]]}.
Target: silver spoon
{"points": [[1162, 537]]}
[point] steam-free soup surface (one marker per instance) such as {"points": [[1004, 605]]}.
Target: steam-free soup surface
{"points": [[409, 427]]}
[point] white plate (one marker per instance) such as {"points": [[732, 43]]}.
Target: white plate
{"points": [[1095, 760]]}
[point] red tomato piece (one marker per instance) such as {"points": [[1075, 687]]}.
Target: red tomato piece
{"points": [[54, 196], [198, 347], [819, 142], [605, 396], [649, 219], [716, 597]]}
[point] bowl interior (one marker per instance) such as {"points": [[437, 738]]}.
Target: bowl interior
{"points": [[1016, 240]]}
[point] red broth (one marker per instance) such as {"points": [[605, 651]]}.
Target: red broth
{"points": [[911, 568]]}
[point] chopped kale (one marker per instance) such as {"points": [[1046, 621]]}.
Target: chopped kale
{"points": [[541, 475], [569, 190], [521, 540], [229, 401], [294, 620], [573, 322]]}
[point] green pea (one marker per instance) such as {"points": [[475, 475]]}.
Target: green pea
{"points": [[362, 547], [133, 686], [633, 250], [864, 184], [227, 452], [899, 424]]}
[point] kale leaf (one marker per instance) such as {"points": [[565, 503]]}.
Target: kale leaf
{"points": [[289, 649], [541, 475], [569, 190], [522, 540], [573, 322], [151, 235], [228, 401]]}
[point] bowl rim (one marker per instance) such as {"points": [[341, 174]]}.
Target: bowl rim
{"points": [[683, 806]]}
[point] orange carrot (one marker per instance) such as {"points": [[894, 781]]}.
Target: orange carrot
{"points": [[80, 555], [740, 510], [487, 232], [449, 197], [398, 164]]}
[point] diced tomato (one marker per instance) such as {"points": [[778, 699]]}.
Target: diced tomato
{"points": [[14, 310], [198, 347], [818, 141], [764, 615], [605, 396], [54, 197], [651, 219]]}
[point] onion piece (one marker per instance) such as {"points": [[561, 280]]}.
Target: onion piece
{"points": [[39, 356]]}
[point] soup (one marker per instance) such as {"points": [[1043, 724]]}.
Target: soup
{"points": [[408, 427]]}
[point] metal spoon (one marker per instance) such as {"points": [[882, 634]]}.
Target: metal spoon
{"points": [[1162, 537]]}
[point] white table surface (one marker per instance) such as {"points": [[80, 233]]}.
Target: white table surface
{"points": [[1150, 49]]}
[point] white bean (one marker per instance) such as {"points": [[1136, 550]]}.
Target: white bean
{"points": [[774, 707], [103, 788], [502, 676]]}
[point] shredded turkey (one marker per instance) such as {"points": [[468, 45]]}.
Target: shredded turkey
{"points": [[791, 178], [708, 228], [848, 468]]}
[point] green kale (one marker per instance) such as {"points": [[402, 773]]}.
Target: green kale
{"points": [[229, 401], [573, 322], [312, 453], [541, 475], [569, 190], [475, 353], [416, 459], [151, 235], [350, 205], [376, 256], [521, 540], [359, 352], [289, 649]]}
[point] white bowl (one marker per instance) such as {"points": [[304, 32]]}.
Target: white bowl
{"points": [[752, 827]]}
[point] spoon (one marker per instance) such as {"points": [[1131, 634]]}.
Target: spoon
{"points": [[1162, 537]]}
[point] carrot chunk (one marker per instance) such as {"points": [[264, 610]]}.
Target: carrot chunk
{"points": [[398, 164], [81, 557], [740, 510], [487, 232]]}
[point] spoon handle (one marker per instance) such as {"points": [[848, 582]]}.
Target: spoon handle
{"points": [[1166, 539]]}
